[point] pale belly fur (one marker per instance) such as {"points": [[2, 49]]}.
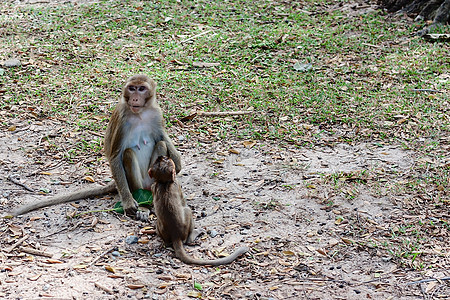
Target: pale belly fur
{"points": [[139, 136]]}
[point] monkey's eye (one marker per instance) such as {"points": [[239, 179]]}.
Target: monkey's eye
{"points": [[141, 88], [131, 88]]}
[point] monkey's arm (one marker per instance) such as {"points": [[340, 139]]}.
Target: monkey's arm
{"points": [[172, 152], [83, 194]]}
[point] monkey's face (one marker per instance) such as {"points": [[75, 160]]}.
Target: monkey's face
{"points": [[136, 95]]}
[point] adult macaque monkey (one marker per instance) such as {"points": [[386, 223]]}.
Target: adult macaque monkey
{"points": [[135, 137], [175, 224]]}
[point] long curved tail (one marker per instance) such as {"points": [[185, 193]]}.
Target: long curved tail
{"points": [[182, 255], [78, 195]]}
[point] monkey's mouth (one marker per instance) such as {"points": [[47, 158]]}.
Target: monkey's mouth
{"points": [[135, 108]]}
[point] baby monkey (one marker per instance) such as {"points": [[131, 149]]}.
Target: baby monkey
{"points": [[175, 224]]}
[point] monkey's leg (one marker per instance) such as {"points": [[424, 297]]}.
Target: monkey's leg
{"points": [[135, 182], [160, 230], [192, 233], [132, 170]]}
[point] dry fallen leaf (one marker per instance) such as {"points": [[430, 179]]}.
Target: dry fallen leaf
{"points": [[321, 251], [53, 261], [347, 241], [183, 276], [430, 286], [79, 267], [333, 242], [249, 144], [116, 276], [135, 286], [234, 151], [89, 178], [34, 278], [16, 230], [165, 277], [110, 269], [194, 294], [144, 240]]}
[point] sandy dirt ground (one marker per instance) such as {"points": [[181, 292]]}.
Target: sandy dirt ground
{"points": [[255, 195]]}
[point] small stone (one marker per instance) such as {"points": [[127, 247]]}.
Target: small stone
{"points": [[46, 287], [115, 253], [131, 239], [2, 71], [12, 63], [181, 138], [213, 233]]}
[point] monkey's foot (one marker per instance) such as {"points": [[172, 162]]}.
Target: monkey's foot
{"points": [[194, 235], [143, 214]]}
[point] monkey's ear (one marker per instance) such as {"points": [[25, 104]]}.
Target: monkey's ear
{"points": [[152, 86], [174, 173], [150, 173]]}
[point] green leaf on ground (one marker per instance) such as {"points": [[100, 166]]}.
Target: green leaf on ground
{"points": [[143, 198]]}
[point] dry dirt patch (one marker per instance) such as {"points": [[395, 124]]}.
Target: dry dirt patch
{"points": [[271, 200]]}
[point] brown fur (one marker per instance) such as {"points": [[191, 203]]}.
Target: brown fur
{"points": [[135, 137], [175, 224]]}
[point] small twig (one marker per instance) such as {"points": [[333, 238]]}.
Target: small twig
{"points": [[15, 181], [100, 256], [223, 113], [96, 133], [61, 230], [17, 243], [428, 280], [35, 252], [371, 45], [108, 290], [426, 90], [195, 36], [193, 281]]}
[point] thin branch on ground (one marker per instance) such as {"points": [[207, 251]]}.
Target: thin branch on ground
{"points": [[35, 252], [100, 256], [428, 280], [15, 181]]}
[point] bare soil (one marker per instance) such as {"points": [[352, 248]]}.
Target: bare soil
{"points": [[273, 200]]}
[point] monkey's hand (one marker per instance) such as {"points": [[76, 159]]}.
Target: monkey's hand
{"points": [[130, 206], [141, 214]]}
